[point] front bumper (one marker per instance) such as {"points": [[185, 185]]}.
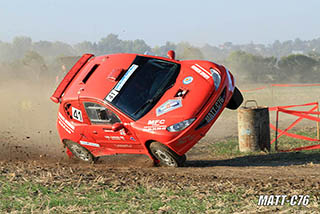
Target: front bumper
{"points": [[204, 120]]}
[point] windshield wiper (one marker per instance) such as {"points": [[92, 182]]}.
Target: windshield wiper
{"points": [[154, 99]]}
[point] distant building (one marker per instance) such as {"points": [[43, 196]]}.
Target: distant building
{"points": [[296, 52]]}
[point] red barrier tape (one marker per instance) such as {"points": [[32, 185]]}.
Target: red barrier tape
{"points": [[303, 148], [300, 137], [291, 106], [280, 85], [294, 85], [254, 89], [302, 115]]}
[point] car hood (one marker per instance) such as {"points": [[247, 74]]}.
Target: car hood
{"points": [[193, 87]]}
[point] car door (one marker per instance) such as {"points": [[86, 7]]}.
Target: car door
{"points": [[110, 130]]}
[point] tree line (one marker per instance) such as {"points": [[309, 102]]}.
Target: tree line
{"points": [[289, 61]]}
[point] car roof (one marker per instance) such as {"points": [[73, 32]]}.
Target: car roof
{"points": [[92, 81]]}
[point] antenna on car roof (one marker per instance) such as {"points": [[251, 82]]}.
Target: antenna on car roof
{"points": [[79, 92]]}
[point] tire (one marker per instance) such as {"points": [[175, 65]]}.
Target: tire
{"points": [[236, 99], [80, 152], [166, 156]]}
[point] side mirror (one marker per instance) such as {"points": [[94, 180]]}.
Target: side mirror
{"points": [[171, 54], [117, 127]]}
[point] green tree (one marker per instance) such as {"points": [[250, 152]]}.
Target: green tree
{"points": [[136, 46], [186, 51], [252, 68], [85, 47], [110, 44], [299, 68], [51, 50]]}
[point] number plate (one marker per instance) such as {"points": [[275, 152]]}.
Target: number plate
{"points": [[215, 108]]}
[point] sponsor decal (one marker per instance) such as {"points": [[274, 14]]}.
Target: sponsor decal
{"points": [[132, 138], [188, 80], [126, 77], [89, 143], [181, 93], [114, 92], [76, 114], [112, 95], [156, 122], [124, 145], [65, 124], [155, 125], [169, 105], [114, 137], [154, 128], [200, 70]]}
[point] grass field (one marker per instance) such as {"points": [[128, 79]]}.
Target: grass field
{"points": [[97, 197]]}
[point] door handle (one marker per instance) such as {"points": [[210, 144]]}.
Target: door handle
{"points": [[94, 132]]}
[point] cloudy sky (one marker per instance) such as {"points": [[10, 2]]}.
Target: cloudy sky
{"points": [[196, 21]]}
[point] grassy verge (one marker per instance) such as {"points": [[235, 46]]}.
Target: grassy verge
{"points": [[230, 146], [27, 197], [96, 197]]}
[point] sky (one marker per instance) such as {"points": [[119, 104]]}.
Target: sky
{"points": [[197, 22]]}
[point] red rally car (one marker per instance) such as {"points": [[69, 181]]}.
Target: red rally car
{"points": [[141, 104]]}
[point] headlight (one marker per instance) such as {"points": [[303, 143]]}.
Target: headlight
{"points": [[216, 78], [180, 126]]}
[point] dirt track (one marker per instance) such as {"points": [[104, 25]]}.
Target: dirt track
{"points": [[29, 145]]}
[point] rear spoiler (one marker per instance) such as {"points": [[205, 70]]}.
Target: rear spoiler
{"points": [[69, 77]]}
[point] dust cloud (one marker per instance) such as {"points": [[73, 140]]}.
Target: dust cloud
{"points": [[28, 120]]}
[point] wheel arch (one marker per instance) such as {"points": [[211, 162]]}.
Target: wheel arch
{"points": [[64, 141], [147, 145]]}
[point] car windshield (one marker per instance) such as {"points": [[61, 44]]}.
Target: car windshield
{"points": [[140, 88]]}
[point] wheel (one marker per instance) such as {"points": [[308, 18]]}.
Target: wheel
{"points": [[166, 156], [235, 100], [80, 152]]}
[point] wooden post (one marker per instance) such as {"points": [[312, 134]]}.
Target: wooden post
{"points": [[277, 125], [318, 134], [272, 100]]}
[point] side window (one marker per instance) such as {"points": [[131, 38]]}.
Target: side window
{"points": [[99, 114]]}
